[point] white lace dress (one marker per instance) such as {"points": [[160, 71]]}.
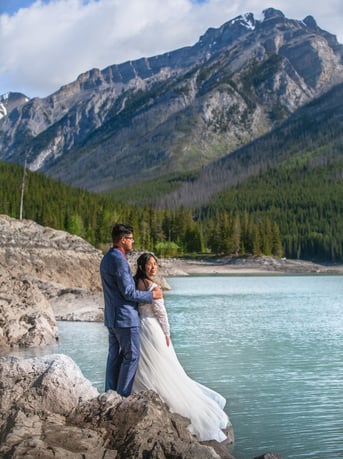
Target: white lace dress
{"points": [[160, 370]]}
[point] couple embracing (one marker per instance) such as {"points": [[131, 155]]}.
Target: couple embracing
{"points": [[141, 355]]}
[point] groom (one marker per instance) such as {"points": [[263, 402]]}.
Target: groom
{"points": [[121, 311]]}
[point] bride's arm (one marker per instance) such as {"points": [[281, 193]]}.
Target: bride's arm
{"points": [[159, 311], [162, 317]]}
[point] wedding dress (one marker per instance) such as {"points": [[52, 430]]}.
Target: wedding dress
{"points": [[160, 370]]}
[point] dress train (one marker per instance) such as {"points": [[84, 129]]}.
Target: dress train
{"points": [[160, 370]]}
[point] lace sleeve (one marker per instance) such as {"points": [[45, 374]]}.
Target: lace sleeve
{"points": [[161, 315]]}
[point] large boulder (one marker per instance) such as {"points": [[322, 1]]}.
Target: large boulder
{"points": [[49, 410]]}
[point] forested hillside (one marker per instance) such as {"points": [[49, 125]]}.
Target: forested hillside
{"points": [[288, 211], [305, 202], [312, 136], [167, 232]]}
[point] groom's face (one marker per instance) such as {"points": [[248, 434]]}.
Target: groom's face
{"points": [[127, 242]]}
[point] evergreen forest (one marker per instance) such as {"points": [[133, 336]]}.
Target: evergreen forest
{"points": [[282, 212], [305, 202]]}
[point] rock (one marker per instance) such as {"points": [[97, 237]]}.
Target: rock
{"points": [[78, 305], [51, 383], [49, 410], [63, 267], [26, 317], [48, 255], [269, 456], [142, 426], [173, 267]]}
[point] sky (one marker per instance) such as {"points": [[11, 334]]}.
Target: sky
{"points": [[45, 44]]}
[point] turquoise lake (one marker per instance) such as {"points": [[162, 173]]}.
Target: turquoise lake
{"points": [[271, 345]]}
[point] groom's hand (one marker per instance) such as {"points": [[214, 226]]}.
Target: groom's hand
{"points": [[157, 293]]}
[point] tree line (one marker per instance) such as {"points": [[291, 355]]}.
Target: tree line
{"points": [[305, 201], [167, 232], [295, 210]]}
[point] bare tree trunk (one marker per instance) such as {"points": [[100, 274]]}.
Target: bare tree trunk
{"points": [[22, 193]]}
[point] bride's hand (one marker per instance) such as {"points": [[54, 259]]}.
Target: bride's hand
{"points": [[168, 340]]}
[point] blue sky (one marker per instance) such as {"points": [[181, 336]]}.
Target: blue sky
{"points": [[48, 43], [11, 6]]}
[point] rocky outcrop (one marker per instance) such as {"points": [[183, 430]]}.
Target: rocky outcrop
{"points": [[49, 410], [26, 317], [3, 111], [42, 273], [47, 254]]}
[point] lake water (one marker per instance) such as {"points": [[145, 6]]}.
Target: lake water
{"points": [[272, 345]]}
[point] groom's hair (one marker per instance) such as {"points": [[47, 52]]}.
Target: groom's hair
{"points": [[119, 230]]}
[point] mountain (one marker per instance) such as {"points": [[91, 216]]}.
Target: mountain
{"points": [[175, 112], [312, 137]]}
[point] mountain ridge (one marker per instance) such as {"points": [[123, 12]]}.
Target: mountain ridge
{"points": [[178, 111]]}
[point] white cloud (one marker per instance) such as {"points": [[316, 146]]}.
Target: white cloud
{"points": [[47, 45]]}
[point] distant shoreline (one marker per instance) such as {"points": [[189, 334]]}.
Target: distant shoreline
{"points": [[251, 265]]}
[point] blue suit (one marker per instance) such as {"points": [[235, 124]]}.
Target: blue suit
{"points": [[122, 320]]}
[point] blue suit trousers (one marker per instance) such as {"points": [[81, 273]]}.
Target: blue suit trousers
{"points": [[122, 360]]}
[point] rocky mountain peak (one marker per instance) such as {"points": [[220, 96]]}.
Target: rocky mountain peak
{"points": [[272, 13], [10, 101], [311, 22]]}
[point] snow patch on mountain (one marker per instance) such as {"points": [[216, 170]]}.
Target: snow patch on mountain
{"points": [[3, 111], [246, 20]]}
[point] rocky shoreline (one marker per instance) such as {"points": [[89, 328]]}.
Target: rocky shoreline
{"points": [[49, 410]]}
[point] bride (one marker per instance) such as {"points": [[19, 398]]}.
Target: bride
{"points": [[160, 370]]}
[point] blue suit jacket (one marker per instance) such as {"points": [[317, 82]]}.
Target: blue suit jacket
{"points": [[120, 294]]}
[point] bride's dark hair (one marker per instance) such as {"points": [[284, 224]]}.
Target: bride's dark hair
{"points": [[142, 260]]}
